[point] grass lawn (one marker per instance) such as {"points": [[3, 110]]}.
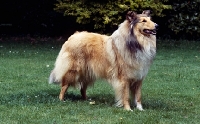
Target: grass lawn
{"points": [[170, 93]]}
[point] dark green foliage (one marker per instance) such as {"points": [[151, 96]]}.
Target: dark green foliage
{"points": [[106, 12], [177, 18], [184, 18]]}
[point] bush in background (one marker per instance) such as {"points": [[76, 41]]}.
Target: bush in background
{"points": [[178, 19], [106, 12], [184, 18]]}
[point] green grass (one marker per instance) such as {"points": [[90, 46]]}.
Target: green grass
{"points": [[171, 91]]}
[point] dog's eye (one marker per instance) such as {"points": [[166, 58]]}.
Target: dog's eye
{"points": [[144, 20]]}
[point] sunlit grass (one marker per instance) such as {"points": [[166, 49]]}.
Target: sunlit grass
{"points": [[170, 91]]}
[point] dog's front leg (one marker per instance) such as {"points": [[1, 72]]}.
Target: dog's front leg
{"points": [[126, 96], [121, 88], [136, 93]]}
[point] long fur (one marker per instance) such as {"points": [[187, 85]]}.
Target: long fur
{"points": [[123, 59]]}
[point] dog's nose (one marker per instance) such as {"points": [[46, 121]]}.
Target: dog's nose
{"points": [[156, 26]]}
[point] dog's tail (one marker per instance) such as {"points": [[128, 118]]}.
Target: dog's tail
{"points": [[52, 78], [61, 68]]}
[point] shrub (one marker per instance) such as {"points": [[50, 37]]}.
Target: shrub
{"points": [[184, 18], [106, 12]]}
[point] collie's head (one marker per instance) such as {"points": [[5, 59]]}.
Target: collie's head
{"points": [[140, 26], [141, 22]]}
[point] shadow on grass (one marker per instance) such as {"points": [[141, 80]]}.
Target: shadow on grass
{"points": [[50, 97], [158, 104]]}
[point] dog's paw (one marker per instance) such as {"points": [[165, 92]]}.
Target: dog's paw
{"points": [[139, 107], [128, 108]]}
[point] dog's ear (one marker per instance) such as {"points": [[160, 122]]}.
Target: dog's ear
{"points": [[131, 16], [146, 12]]}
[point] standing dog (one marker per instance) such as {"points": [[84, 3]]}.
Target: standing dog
{"points": [[123, 59]]}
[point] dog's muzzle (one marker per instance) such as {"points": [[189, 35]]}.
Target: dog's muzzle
{"points": [[148, 31], [151, 31]]}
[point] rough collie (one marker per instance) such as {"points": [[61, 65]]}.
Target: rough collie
{"points": [[123, 59]]}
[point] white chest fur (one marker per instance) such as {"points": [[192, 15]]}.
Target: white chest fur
{"points": [[144, 60]]}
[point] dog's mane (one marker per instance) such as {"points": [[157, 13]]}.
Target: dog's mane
{"points": [[132, 43]]}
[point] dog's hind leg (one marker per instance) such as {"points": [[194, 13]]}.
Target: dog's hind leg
{"points": [[64, 87], [136, 93], [83, 91]]}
